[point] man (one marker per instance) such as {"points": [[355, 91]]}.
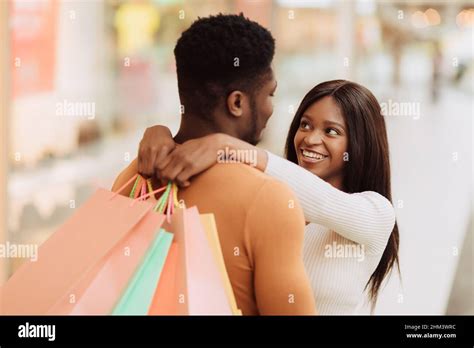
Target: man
{"points": [[225, 85]]}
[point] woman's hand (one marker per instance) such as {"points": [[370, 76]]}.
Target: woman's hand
{"points": [[191, 158], [161, 158], [157, 143]]}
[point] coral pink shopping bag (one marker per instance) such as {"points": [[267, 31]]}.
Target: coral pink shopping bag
{"points": [[98, 292], [71, 252], [100, 289], [206, 291]]}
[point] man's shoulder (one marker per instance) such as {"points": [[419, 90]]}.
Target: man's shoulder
{"points": [[237, 173], [236, 169], [233, 177]]}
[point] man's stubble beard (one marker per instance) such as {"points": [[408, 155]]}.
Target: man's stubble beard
{"points": [[252, 136]]}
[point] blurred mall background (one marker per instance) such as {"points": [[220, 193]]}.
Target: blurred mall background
{"points": [[114, 59]]}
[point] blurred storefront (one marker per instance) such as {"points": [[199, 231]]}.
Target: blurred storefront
{"points": [[87, 77], [4, 111]]}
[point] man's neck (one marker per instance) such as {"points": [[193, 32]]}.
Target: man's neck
{"points": [[192, 127]]}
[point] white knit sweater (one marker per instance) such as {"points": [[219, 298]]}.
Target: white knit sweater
{"points": [[344, 240]]}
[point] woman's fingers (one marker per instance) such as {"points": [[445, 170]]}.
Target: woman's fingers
{"points": [[172, 169], [181, 162], [145, 162], [163, 156], [162, 160], [182, 179], [155, 146]]}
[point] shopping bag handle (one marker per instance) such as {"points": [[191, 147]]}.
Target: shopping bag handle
{"points": [[168, 201], [149, 193], [134, 192], [165, 204], [121, 188], [137, 177]]}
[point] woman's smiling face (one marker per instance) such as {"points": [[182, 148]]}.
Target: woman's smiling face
{"points": [[321, 141]]}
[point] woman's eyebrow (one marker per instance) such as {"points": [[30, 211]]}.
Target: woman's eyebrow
{"points": [[334, 123]]}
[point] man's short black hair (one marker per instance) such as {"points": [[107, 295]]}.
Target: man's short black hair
{"points": [[217, 55]]}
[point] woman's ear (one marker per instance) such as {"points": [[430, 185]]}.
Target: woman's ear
{"points": [[235, 103]]}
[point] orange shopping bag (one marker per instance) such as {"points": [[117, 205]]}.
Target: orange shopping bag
{"points": [[71, 252], [165, 300]]}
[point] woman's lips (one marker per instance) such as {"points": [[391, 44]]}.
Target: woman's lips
{"points": [[310, 156]]}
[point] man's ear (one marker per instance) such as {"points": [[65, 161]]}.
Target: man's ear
{"points": [[235, 102]]}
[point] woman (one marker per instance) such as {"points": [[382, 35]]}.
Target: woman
{"points": [[338, 166]]}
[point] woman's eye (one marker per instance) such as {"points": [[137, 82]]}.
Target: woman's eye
{"points": [[304, 125], [332, 131]]}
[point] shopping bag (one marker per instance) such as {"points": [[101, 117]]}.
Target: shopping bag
{"points": [[199, 286], [206, 292], [98, 293], [99, 290], [165, 299], [138, 296], [209, 224], [170, 293], [72, 251]]}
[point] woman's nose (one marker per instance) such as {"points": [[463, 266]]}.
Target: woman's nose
{"points": [[313, 138]]}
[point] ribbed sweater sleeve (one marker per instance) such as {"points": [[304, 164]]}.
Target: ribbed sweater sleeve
{"points": [[366, 218]]}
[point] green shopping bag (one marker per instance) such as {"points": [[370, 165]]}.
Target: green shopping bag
{"points": [[139, 293]]}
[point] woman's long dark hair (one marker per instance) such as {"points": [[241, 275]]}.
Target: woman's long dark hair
{"points": [[368, 168]]}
